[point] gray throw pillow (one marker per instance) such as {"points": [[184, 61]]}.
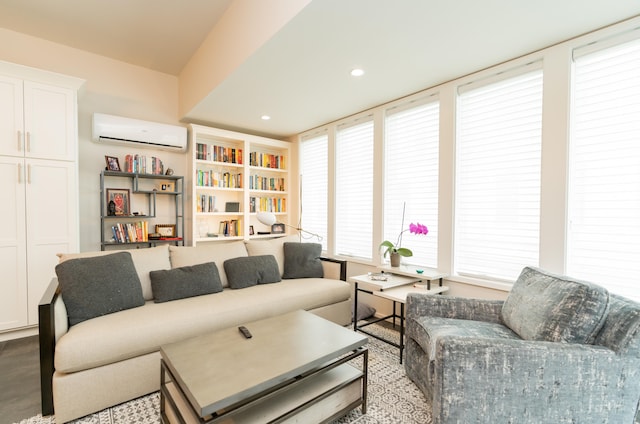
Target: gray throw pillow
{"points": [[248, 271], [302, 260], [186, 281], [92, 287], [547, 307]]}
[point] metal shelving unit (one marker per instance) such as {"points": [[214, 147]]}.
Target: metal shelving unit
{"points": [[139, 184]]}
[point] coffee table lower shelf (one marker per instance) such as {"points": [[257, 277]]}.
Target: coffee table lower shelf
{"points": [[318, 397]]}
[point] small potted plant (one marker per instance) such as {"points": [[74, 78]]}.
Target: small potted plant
{"points": [[395, 250]]}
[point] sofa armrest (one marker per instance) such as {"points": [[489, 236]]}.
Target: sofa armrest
{"points": [[419, 304], [532, 381], [47, 339], [334, 268]]}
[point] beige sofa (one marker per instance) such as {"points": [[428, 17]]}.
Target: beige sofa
{"points": [[113, 358]]}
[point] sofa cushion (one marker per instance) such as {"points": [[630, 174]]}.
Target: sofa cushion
{"points": [[547, 307], [252, 270], [186, 281], [272, 246], [217, 252], [302, 260], [100, 285], [145, 260]]}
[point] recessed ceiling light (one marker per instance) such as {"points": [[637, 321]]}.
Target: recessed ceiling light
{"points": [[265, 117], [357, 72]]}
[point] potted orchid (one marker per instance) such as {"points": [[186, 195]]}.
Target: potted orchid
{"points": [[395, 250]]}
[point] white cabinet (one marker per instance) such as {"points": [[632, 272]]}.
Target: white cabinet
{"points": [[38, 120], [13, 245], [38, 168]]}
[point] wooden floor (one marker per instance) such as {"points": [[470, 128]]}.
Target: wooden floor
{"points": [[19, 379]]}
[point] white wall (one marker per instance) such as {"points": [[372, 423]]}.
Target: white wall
{"points": [[111, 87]]}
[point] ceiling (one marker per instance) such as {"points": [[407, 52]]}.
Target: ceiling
{"points": [[300, 76]]}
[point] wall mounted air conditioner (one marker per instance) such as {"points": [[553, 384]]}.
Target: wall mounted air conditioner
{"points": [[120, 130]]}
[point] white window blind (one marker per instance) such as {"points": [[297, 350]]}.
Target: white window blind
{"points": [[497, 189], [314, 183], [354, 190], [603, 243], [411, 177]]}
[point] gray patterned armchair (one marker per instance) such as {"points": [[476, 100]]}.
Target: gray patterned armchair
{"points": [[557, 350]]}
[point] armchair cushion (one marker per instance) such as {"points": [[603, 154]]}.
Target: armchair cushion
{"points": [[547, 307]]}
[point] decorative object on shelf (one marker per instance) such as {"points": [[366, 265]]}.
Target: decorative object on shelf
{"points": [[277, 228], [167, 187], [269, 219], [166, 230], [232, 207], [111, 211], [396, 250], [169, 171], [112, 163], [378, 276], [251, 230], [120, 198]]}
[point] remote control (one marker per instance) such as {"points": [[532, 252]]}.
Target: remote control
{"points": [[245, 332]]}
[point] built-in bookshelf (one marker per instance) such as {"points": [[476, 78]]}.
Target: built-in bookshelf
{"points": [[235, 176], [129, 209]]}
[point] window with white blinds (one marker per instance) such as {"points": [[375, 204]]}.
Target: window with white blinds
{"points": [[603, 243], [354, 190], [314, 165], [497, 187], [411, 178]]}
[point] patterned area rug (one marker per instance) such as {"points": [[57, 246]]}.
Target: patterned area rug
{"points": [[392, 397]]}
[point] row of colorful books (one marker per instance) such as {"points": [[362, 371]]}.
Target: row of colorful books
{"points": [[267, 204], [218, 153], [218, 179], [256, 182], [206, 203], [267, 160], [230, 228], [130, 232], [140, 164]]}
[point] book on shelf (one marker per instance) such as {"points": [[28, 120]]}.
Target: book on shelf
{"points": [[267, 204], [257, 182], [140, 164], [206, 203], [214, 153], [267, 160], [210, 178], [230, 228], [130, 232]]}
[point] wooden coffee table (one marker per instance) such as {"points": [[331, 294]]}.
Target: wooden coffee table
{"points": [[294, 368]]}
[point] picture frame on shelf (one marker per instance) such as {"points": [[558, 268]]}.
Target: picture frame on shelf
{"points": [[277, 228], [251, 230], [112, 163], [166, 230], [121, 199]]}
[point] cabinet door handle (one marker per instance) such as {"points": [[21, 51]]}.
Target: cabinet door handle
{"points": [[28, 143], [19, 173], [28, 174], [19, 140]]}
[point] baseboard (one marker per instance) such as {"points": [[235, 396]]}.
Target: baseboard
{"points": [[19, 334]]}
